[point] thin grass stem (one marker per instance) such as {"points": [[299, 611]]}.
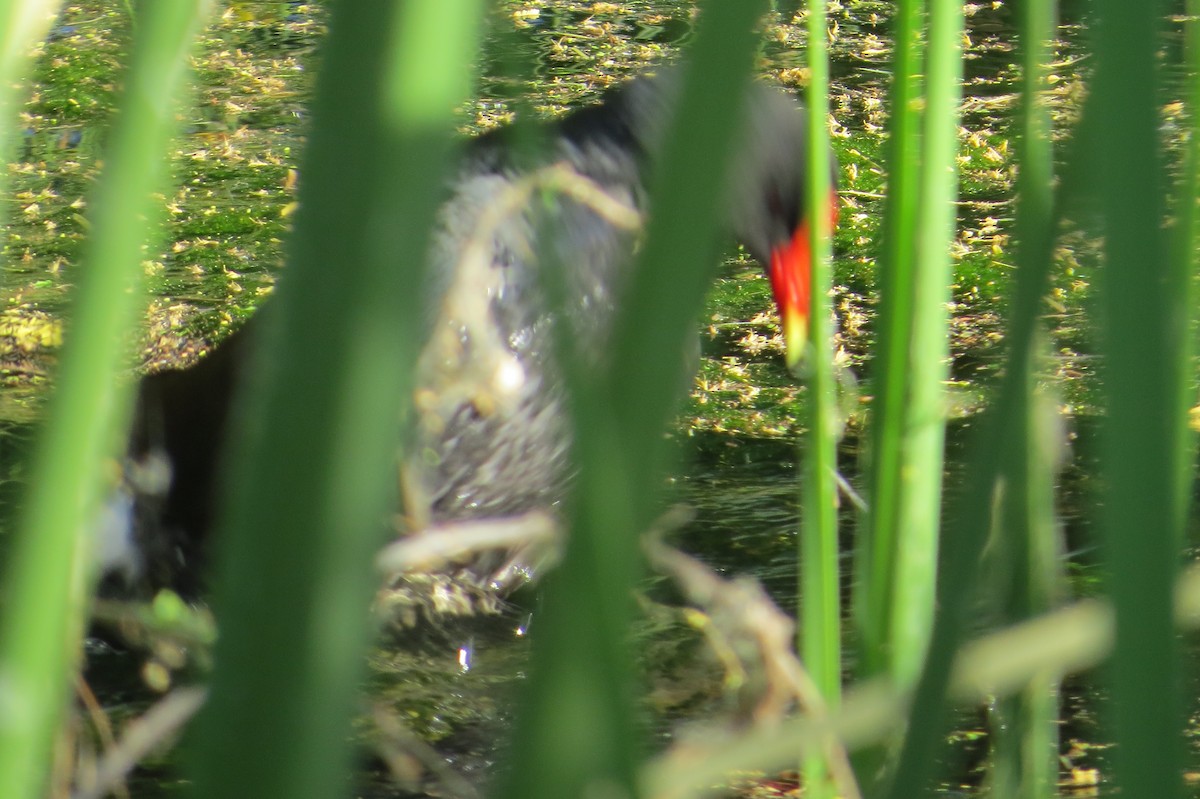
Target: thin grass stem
{"points": [[1025, 548], [23, 23], [314, 451], [876, 558], [582, 681], [1144, 353], [820, 596], [48, 576]]}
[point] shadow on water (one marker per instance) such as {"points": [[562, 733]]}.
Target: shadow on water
{"points": [[744, 498]]}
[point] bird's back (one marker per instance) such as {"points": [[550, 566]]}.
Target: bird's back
{"points": [[490, 437]]}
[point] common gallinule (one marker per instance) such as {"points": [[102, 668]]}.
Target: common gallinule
{"points": [[490, 439]]}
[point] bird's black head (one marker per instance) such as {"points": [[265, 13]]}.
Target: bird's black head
{"points": [[765, 208]]}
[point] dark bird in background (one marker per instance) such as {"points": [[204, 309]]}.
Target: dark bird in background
{"points": [[489, 439]]}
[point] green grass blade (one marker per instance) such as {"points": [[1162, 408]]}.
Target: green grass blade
{"points": [[576, 736], [898, 553], [970, 511], [820, 595], [1143, 316], [878, 539], [914, 583], [920, 501], [1025, 548], [898, 556], [1185, 264], [23, 23], [314, 472], [47, 577], [877, 545]]}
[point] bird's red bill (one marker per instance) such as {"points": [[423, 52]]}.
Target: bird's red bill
{"points": [[791, 281]]}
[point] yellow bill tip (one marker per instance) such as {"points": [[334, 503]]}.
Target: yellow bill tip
{"points": [[795, 337]]}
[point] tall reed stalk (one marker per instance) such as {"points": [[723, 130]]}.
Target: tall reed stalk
{"points": [[1024, 553], [314, 456], [23, 23], [820, 596], [924, 422], [898, 552], [1144, 339], [576, 734], [1144, 309], [877, 566], [47, 580], [1185, 266]]}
